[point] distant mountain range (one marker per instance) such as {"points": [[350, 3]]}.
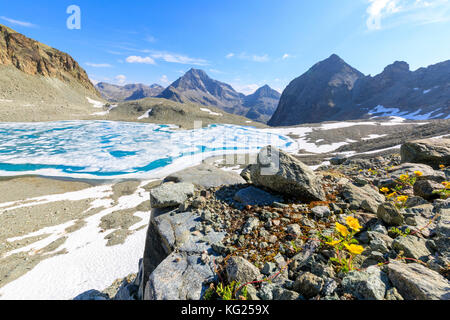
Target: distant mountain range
{"points": [[333, 90], [116, 93], [196, 86]]}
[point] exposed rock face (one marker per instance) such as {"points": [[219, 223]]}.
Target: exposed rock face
{"points": [[197, 87], [284, 174], [433, 152], [416, 282], [128, 92], [35, 58], [333, 90]]}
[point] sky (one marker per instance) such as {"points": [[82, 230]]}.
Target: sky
{"points": [[244, 43]]}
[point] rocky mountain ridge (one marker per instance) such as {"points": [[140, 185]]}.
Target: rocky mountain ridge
{"points": [[135, 91], [196, 86], [333, 90]]}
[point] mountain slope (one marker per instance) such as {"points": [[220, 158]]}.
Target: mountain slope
{"points": [[116, 93], [35, 58], [197, 87], [40, 83], [262, 103], [318, 94], [333, 90]]}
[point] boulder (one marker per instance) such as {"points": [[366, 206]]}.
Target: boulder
{"points": [[255, 197], [416, 282], [174, 264], [240, 270], [308, 285], [284, 174], [412, 247], [390, 214], [433, 152], [92, 295], [428, 173], [366, 198], [370, 284], [206, 176], [170, 194], [427, 189]]}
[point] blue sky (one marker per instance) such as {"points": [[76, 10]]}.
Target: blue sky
{"points": [[246, 43]]}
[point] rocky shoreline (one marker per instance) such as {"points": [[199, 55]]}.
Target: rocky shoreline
{"points": [[358, 229]]}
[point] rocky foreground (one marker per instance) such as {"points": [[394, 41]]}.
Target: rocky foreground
{"points": [[358, 229]]}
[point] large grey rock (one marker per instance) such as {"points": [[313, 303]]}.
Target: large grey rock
{"points": [[390, 214], [308, 285], [206, 176], [179, 277], [240, 270], [427, 189], [366, 198], [413, 247], [416, 282], [370, 284], [284, 174], [255, 197], [92, 295], [428, 172], [433, 152], [174, 244], [442, 231], [170, 194]]}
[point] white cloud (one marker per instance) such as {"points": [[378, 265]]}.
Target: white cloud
{"points": [[18, 23], [98, 65], [381, 13], [249, 57], [121, 79], [178, 58], [164, 80], [138, 59]]}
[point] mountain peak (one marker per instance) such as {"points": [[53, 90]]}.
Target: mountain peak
{"points": [[196, 72]]}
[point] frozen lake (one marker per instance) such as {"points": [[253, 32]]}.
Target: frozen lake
{"points": [[109, 149]]}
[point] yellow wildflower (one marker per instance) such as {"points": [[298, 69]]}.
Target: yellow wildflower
{"points": [[353, 224], [442, 166], [334, 243], [342, 229], [384, 190], [390, 196], [404, 177], [418, 173], [354, 249], [402, 198], [446, 184]]}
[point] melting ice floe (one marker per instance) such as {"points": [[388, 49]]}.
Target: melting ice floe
{"points": [[107, 149]]}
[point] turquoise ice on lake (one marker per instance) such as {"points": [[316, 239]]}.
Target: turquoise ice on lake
{"points": [[109, 149]]}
